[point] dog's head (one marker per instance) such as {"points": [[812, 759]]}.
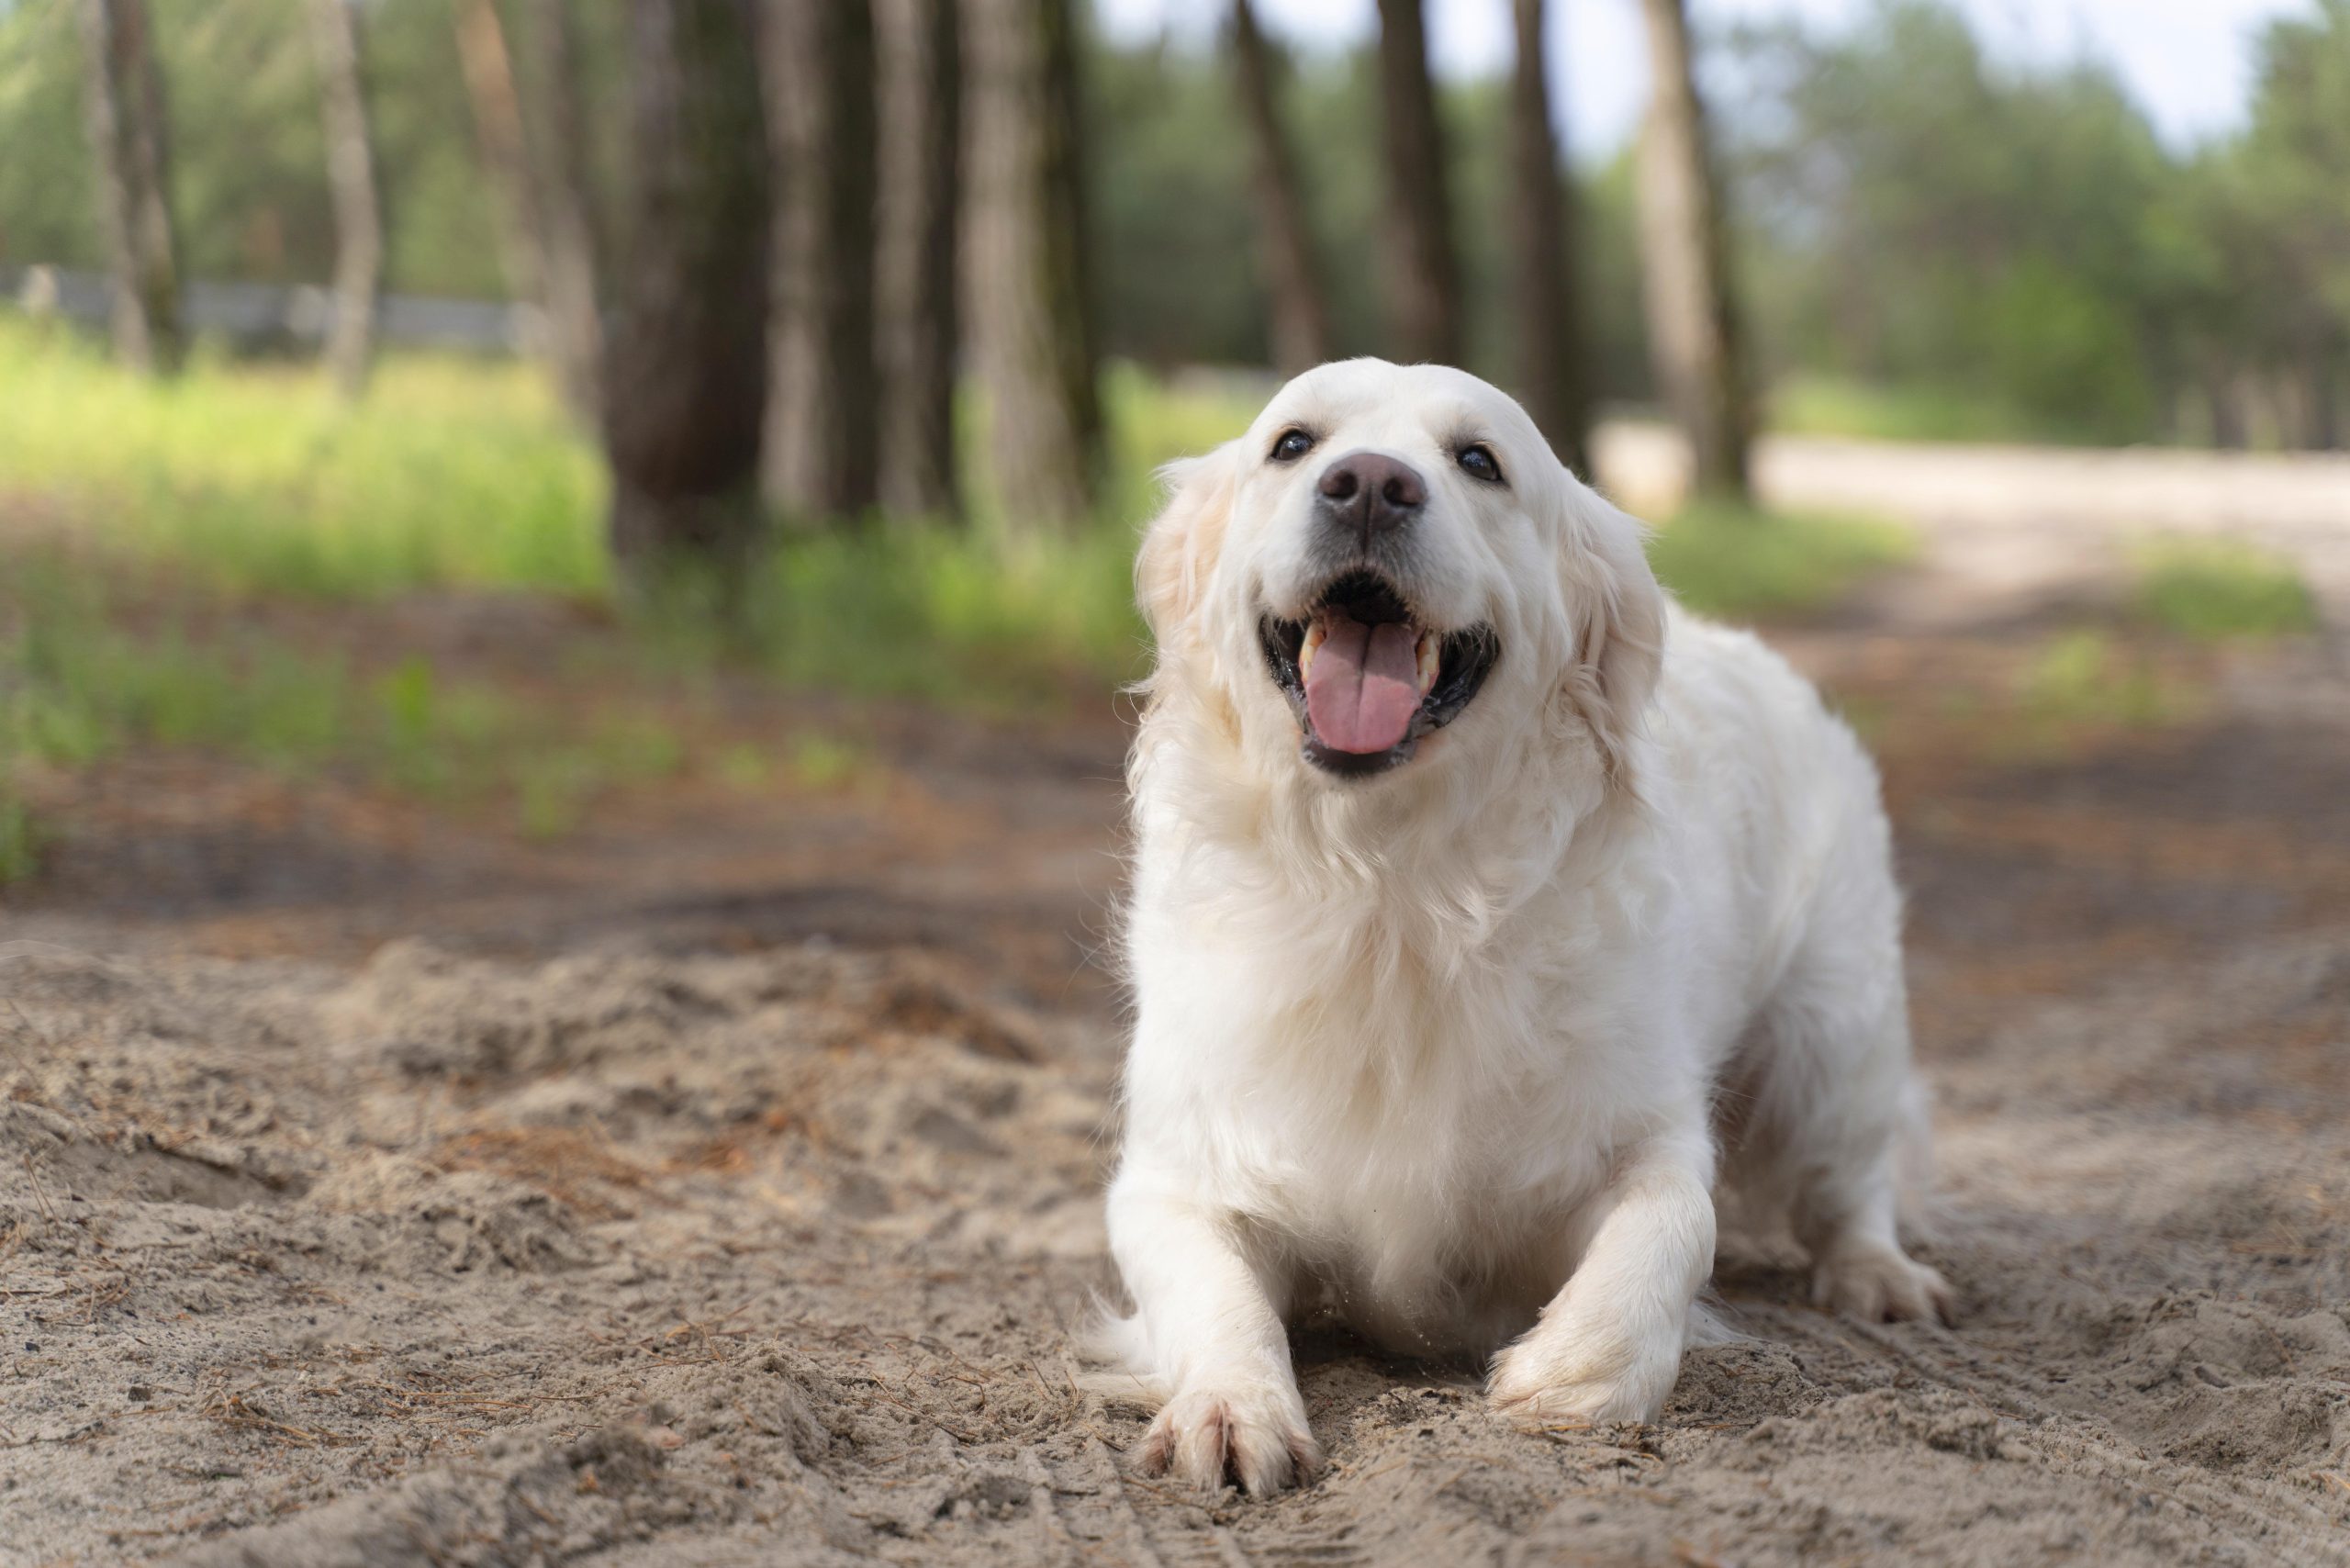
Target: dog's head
{"points": [[1390, 574]]}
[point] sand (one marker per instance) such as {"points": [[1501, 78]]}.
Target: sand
{"points": [[633, 1257]]}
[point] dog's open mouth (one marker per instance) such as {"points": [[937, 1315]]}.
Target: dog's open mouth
{"points": [[1368, 678]]}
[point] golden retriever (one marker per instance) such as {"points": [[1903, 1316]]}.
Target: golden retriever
{"points": [[1489, 915]]}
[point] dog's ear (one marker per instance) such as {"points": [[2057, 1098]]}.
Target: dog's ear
{"points": [[1619, 614], [1180, 547]]}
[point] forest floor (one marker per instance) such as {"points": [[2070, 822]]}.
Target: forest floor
{"points": [[719, 1183]]}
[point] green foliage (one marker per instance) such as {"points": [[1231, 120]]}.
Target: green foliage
{"points": [[1998, 245], [1920, 218], [46, 211], [1175, 229], [2218, 589], [1728, 561]]}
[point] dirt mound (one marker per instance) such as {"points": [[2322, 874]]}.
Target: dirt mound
{"points": [[631, 1258]]}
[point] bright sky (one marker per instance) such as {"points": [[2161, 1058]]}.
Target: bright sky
{"points": [[2188, 61]]}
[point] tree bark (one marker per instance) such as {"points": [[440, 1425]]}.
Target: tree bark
{"points": [[1552, 378], [920, 155], [1030, 313], [1423, 275], [350, 178], [489, 68], [1695, 337], [2223, 389], [824, 453], [2323, 424], [687, 354], [1300, 309], [129, 149], [572, 268]]}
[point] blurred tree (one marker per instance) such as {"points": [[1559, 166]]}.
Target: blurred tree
{"points": [[2294, 170], [2021, 266], [688, 358], [1424, 275], [915, 274], [555, 132], [1030, 315], [1169, 195], [351, 175], [247, 141], [129, 151], [1694, 329], [1550, 378], [822, 457], [488, 67], [1291, 279]]}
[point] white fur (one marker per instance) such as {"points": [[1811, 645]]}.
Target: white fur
{"points": [[1457, 1054]]}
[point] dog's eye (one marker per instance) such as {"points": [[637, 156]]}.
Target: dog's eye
{"points": [[1479, 462], [1293, 446]]}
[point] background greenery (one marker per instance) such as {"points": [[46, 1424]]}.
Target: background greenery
{"points": [[2053, 273], [192, 564]]}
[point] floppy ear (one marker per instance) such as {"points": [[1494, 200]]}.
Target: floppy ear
{"points": [[1181, 546], [1620, 632]]}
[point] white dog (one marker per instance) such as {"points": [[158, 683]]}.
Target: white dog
{"points": [[1487, 910]]}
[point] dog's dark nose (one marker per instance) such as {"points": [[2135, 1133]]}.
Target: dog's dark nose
{"points": [[1365, 493]]}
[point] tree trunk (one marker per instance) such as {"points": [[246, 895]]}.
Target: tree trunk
{"points": [[350, 176], [1423, 275], [1300, 313], [568, 241], [1551, 374], [2323, 425], [1029, 308], [2223, 389], [1693, 333], [920, 156], [489, 68], [688, 357], [130, 151], [824, 454]]}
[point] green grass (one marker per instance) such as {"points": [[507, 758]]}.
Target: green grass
{"points": [[1728, 561], [78, 685], [140, 520], [1828, 405], [19, 836], [255, 479], [2213, 589], [239, 484], [2084, 679]]}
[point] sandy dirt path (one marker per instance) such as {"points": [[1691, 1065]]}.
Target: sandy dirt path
{"points": [[724, 1189], [2008, 529]]}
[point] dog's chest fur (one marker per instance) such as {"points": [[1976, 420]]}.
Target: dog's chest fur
{"points": [[1422, 1127]]}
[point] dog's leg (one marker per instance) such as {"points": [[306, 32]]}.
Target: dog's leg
{"points": [[1839, 1109], [1844, 1218], [1212, 1327], [1608, 1348]]}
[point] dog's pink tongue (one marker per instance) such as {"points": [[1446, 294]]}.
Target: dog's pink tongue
{"points": [[1363, 685]]}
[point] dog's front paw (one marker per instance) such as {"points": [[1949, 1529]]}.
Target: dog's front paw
{"points": [[1256, 1436], [1552, 1379], [1879, 1285]]}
